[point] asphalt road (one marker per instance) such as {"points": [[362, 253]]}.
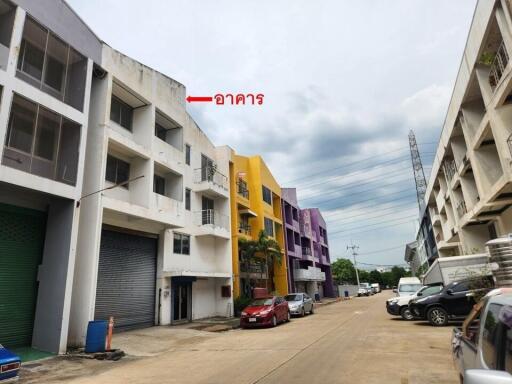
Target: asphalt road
{"points": [[352, 342]]}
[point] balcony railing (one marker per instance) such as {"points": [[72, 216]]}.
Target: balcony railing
{"points": [[461, 208], [498, 66], [244, 229], [211, 217], [310, 274], [306, 251], [210, 174], [254, 268], [242, 190], [450, 168]]}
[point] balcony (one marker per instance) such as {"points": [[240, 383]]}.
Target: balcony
{"points": [[210, 182], [169, 210], [461, 209], [307, 254], [498, 66], [244, 229], [310, 274], [450, 169], [212, 223], [253, 271]]}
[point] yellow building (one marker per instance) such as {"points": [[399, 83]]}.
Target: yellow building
{"points": [[255, 206]]}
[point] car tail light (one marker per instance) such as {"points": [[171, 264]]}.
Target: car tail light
{"points": [[10, 367]]}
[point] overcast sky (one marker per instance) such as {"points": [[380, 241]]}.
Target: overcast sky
{"points": [[344, 81]]}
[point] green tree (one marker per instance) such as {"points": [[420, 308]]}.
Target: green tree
{"points": [[343, 271], [263, 249], [376, 277]]}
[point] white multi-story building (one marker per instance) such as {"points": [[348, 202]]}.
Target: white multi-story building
{"points": [[470, 189], [154, 245], [45, 80]]}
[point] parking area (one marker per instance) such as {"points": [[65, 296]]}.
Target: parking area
{"points": [[352, 341]]}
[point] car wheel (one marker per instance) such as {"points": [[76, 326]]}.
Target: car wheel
{"points": [[406, 313], [288, 316], [312, 310], [303, 312], [437, 317], [274, 321]]}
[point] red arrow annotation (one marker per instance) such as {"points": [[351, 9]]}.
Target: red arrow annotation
{"points": [[229, 99], [192, 99]]}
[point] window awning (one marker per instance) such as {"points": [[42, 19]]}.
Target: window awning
{"points": [[248, 212]]}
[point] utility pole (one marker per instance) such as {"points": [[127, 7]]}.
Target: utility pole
{"points": [[354, 254]]}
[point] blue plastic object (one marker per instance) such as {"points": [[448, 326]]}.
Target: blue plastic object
{"points": [[96, 336], [9, 364]]}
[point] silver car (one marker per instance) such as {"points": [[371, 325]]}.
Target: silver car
{"points": [[300, 303]]}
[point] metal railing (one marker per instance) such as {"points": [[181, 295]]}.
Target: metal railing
{"points": [[245, 229], [242, 190], [210, 174], [450, 169], [306, 251], [461, 208], [253, 268], [498, 66], [211, 217]]}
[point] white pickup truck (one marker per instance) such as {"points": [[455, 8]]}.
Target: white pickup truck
{"points": [[485, 340]]}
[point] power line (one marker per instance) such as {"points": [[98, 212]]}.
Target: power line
{"points": [[351, 235], [362, 219], [330, 213], [373, 211], [371, 225], [355, 162], [344, 211], [357, 171]]}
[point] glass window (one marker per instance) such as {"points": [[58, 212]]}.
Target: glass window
{"points": [[65, 69], [118, 171], [56, 62], [491, 336], [47, 134], [187, 199], [21, 124], [160, 132], [33, 44], [461, 287], [267, 195], [7, 14], [67, 165], [121, 113], [159, 185], [269, 227], [432, 290], [187, 154], [508, 341], [181, 244]]}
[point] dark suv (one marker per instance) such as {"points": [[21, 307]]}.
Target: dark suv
{"points": [[453, 302]]}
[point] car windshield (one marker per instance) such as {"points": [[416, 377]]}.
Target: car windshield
{"points": [[409, 287], [293, 297], [260, 302]]}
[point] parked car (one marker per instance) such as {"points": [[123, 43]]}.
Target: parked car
{"points": [[453, 302], [300, 303], [407, 286], [399, 306], [376, 287], [483, 341], [482, 376], [9, 365], [267, 311], [365, 289]]}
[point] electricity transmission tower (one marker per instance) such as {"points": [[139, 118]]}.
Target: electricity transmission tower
{"points": [[419, 175], [354, 254]]}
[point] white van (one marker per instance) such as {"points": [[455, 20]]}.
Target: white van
{"points": [[408, 285]]}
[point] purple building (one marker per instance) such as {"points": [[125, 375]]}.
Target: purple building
{"points": [[307, 250]]}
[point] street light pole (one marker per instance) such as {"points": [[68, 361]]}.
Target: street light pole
{"points": [[354, 254]]}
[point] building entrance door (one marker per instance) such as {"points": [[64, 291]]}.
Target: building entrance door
{"points": [[182, 301]]}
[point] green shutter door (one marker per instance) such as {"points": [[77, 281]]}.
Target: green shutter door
{"points": [[22, 233]]}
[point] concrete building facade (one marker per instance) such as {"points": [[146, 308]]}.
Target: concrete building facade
{"points": [[255, 207], [469, 193], [154, 244], [46, 66], [306, 248]]}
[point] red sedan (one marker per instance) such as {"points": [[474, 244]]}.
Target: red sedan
{"points": [[265, 311]]}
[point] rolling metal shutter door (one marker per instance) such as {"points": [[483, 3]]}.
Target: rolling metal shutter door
{"points": [[22, 233], [126, 280]]}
